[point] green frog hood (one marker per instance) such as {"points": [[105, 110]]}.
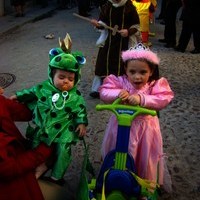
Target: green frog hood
{"points": [[66, 61]]}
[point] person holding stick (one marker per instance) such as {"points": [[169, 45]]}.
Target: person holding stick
{"points": [[114, 13]]}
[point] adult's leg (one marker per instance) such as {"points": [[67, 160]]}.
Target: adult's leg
{"points": [[163, 9], [170, 22], [196, 37], [185, 36], [82, 8]]}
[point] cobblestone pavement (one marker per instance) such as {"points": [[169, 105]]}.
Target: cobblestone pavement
{"points": [[179, 121]]}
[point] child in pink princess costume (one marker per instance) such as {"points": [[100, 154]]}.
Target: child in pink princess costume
{"points": [[140, 85]]}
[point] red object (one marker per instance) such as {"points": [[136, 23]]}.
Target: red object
{"points": [[17, 177]]}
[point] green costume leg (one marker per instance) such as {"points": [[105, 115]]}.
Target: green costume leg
{"points": [[63, 160]]}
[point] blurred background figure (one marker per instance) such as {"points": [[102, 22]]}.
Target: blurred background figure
{"points": [[161, 15], [42, 3], [190, 26], [83, 7], [145, 9], [172, 9], [63, 4], [19, 6]]}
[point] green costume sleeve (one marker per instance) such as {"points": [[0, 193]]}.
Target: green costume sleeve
{"points": [[28, 97]]}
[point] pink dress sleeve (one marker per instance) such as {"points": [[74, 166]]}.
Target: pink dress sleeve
{"points": [[159, 97], [110, 88]]}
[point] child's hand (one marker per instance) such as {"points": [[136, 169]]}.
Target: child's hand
{"points": [[124, 32], [81, 129], [13, 97], [134, 99], [123, 95]]}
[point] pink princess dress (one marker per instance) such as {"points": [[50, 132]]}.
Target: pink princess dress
{"points": [[145, 143]]}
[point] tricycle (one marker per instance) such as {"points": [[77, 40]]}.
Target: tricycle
{"points": [[118, 179]]}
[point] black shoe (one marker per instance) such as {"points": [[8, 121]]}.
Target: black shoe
{"points": [[60, 182], [162, 40], [177, 48], [170, 45], [95, 95], [195, 51]]}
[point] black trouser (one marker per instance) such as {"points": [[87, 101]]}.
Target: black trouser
{"points": [[83, 6], [170, 21], [163, 9], [189, 28]]}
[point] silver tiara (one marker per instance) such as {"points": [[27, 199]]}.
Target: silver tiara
{"points": [[139, 46]]}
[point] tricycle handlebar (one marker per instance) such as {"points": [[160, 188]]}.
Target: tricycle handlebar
{"points": [[125, 113]]}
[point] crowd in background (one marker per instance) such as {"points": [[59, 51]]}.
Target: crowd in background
{"points": [[189, 13]]}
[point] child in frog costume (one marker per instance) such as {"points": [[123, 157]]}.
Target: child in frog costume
{"points": [[59, 111]]}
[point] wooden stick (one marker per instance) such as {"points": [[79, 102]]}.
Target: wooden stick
{"points": [[113, 29], [81, 17]]}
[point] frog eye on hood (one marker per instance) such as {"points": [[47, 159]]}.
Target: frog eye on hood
{"points": [[54, 52], [80, 59]]}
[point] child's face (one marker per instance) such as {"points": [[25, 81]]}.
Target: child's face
{"points": [[64, 80], [138, 73]]}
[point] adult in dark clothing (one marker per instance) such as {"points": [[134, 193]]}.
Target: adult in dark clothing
{"points": [[99, 3], [43, 3], [162, 10], [19, 7], [123, 14], [172, 9], [17, 164], [83, 7], [63, 4], [190, 26]]}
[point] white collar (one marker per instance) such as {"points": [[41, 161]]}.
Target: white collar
{"points": [[121, 3]]}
